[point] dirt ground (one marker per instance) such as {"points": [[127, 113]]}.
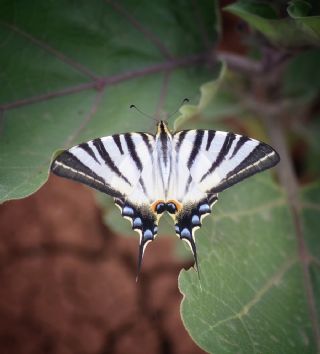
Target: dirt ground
{"points": [[68, 283]]}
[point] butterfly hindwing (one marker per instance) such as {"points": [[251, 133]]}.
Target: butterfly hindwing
{"points": [[142, 220], [189, 219]]}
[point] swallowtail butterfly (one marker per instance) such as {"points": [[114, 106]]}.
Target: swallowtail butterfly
{"points": [[180, 173]]}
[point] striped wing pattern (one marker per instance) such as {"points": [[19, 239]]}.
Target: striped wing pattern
{"points": [[184, 171], [217, 160], [111, 164]]}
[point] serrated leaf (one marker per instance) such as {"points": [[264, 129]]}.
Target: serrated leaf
{"points": [[252, 296], [70, 70], [293, 31]]}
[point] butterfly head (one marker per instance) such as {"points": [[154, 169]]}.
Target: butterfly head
{"points": [[162, 127]]}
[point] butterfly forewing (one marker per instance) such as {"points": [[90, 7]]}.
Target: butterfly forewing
{"points": [[112, 164], [222, 159]]}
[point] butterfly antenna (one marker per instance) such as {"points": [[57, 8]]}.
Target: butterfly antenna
{"points": [[141, 112], [185, 100]]}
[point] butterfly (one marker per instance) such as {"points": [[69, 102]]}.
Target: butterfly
{"points": [[180, 173]]}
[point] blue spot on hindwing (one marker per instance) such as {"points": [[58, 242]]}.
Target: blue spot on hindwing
{"points": [[137, 222], [148, 234], [127, 211], [185, 233], [204, 209], [195, 220]]}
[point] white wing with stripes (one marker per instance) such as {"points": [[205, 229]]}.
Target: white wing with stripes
{"points": [[112, 164], [216, 160], [181, 174]]}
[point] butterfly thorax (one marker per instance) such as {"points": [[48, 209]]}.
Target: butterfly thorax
{"points": [[163, 159]]}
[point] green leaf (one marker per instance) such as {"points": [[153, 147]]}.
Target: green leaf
{"points": [[208, 92], [293, 31], [310, 25], [252, 297], [70, 70], [302, 75], [299, 8]]}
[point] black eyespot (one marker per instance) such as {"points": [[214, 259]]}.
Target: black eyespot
{"points": [[160, 208], [171, 208]]}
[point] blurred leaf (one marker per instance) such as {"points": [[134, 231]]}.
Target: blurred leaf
{"points": [[251, 297], [217, 101], [299, 8], [70, 70], [288, 31], [310, 25], [208, 92], [302, 75], [309, 154]]}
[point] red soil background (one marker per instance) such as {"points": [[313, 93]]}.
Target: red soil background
{"points": [[67, 282]]}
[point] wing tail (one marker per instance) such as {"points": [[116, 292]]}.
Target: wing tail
{"points": [[144, 221], [189, 219]]}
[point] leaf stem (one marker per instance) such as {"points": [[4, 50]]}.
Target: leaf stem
{"points": [[103, 81], [248, 66]]}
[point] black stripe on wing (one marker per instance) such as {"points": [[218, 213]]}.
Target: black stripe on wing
{"points": [[146, 138], [211, 134], [132, 150], [181, 137], [259, 159], [116, 139], [221, 155], [69, 166], [239, 144], [88, 150], [196, 147], [107, 159]]}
